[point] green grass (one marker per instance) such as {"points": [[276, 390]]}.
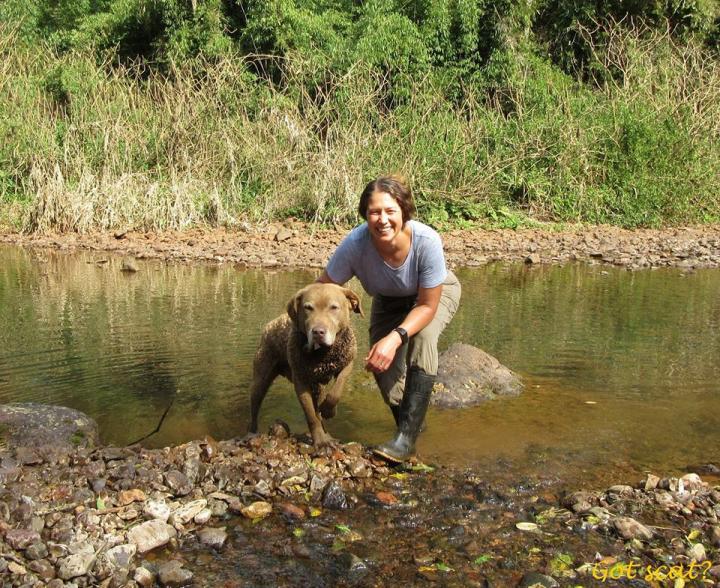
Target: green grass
{"points": [[88, 145]]}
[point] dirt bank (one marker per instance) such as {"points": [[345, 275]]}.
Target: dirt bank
{"points": [[297, 245]]}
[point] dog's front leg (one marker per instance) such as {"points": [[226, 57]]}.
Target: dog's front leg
{"points": [[329, 403], [319, 436]]}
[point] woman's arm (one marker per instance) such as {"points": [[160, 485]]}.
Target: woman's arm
{"points": [[383, 352]]}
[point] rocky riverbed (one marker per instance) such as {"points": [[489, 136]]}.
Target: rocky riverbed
{"points": [[268, 510], [297, 245]]}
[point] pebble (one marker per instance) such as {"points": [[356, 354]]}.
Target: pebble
{"points": [[333, 497], [257, 510], [214, 537], [629, 528], [173, 575], [151, 534]]}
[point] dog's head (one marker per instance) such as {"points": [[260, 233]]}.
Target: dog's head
{"points": [[321, 311]]}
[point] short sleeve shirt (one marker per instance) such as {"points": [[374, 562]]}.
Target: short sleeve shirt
{"points": [[356, 255]]}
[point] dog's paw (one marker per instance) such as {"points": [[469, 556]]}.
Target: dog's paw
{"points": [[328, 411]]}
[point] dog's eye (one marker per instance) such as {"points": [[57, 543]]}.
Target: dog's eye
{"points": [[334, 307], [307, 306]]}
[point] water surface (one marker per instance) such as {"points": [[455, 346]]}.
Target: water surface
{"points": [[621, 368]]}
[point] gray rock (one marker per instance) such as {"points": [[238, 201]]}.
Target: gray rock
{"points": [[629, 528], [144, 577], [715, 536], [178, 483], [75, 565], [651, 482], [214, 537], [697, 553], [120, 556], [172, 574], [42, 425], [150, 535], [333, 497], [468, 376], [283, 234], [36, 551], [43, 568], [157, 509], [536, 580], [21, 538], [129, 264]]}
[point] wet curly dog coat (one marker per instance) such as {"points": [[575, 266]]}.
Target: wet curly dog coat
{"points": [[311, 345]]}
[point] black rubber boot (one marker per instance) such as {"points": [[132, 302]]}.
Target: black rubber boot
{"points": [[418, 388], [395, 409]]}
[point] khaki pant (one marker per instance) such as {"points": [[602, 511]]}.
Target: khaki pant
{"points": [[421, 349]]}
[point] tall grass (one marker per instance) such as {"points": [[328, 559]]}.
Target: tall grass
{"points": [[87, 145]]}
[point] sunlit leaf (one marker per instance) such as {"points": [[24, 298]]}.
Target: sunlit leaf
{"points": [[100, 503], [298, 532], [343, 528], [443, 567], [484, 558], [525, 526], [315, 512]]}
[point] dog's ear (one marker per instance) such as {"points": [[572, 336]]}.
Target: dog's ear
{"points": [[294, 305], [354, 301]]}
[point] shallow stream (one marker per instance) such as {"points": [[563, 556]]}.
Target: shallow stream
{"points": [[621, 369]]}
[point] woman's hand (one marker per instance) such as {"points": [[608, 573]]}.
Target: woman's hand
{"points": [[382, 354]]}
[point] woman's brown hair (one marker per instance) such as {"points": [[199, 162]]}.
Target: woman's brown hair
{"points": [[394, 185]]}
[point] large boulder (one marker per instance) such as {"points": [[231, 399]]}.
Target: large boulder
{"points": [[468, 376], [32, 425]]}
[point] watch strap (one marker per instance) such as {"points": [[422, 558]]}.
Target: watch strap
{"points": [[403, 334]]}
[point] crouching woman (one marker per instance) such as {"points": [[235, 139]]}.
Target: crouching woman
{"points": [[400, 263]]}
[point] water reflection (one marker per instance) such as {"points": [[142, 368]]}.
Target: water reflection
{"points": [[620, 367]]}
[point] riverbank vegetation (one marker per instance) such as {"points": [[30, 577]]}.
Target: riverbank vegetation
{"points": [[155, 114]]}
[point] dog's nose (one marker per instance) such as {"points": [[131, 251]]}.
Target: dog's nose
{"points": [[319, 332]]}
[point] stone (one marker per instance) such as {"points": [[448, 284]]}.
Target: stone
{"points": [[292, 511], [126, 497], [715, 536], [43, 568], [120, 556], [283, 234], [150, 535], [651, 482], [536, 580], [692, 482], [16, 569], [129, 264], [75, 565], [333, 497], [173, 575], [36, 551], [157, 509], [178, 483], [186, 512], [213, 537], [43, 425], [144, 577], [257, 510], [468, 376], [629, 528], [21, 538], [697, 553], [580, 501], [203, 516]]}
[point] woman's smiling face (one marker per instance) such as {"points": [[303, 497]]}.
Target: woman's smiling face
{"points": [[384, 217]]}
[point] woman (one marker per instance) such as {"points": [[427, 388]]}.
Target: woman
{"points": [[401, 264]]}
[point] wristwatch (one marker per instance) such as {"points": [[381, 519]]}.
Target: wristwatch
{"points": [[403, 334]]}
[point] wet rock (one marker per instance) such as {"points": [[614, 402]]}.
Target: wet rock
{"points": [[353, 565], [120, 556], [203, 516], [536, 580], [692, 482], [468, 376], [629, 528], [150, 535], [21, 538], [580, 501], [33, 425], [213, 537], [257, 510], [386, 498], [16, 569], [75, 565], [144, 577], [291, 511], [173, 575], [129, 264], [334, 498], [178, 483]]}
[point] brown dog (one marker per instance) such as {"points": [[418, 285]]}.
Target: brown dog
{"points": [[310, 345]]}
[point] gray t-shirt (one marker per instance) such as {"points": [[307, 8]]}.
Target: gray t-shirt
{"points": [[424, 266]]}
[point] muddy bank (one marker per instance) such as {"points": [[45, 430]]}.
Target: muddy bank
{"points": [[296, 245], [268, 510]]}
